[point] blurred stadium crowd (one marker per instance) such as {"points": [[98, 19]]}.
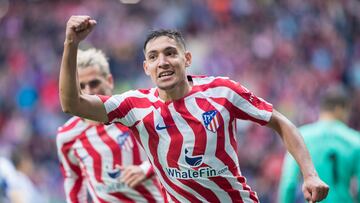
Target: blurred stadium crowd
{"points": [[287, 52]]}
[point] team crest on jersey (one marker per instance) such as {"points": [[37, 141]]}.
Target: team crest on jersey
{"points": [[211, 120], [124, 141]]}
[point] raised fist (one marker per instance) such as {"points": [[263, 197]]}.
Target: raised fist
{"points": [[78, 28]]}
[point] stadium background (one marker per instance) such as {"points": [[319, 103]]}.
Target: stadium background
{"points": [[286, 51]]}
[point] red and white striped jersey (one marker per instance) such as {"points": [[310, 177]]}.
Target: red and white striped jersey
{"points": [[191, 141], [90, 156]]}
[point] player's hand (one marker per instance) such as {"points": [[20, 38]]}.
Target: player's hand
{"points": [[78, 28], [314, 189], [132, 175]]}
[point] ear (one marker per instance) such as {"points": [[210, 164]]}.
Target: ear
{"points": [[147, 72], [188, 58]]}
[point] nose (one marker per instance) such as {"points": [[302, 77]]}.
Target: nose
{"points": [[87, 89], [163, 63]]}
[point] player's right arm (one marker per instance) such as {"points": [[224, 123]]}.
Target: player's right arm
{"points": [[72, 100]]}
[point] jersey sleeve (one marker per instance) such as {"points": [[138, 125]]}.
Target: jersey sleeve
{"points": [[74, 182], [244, 104], [289, 180], [119, 108]]}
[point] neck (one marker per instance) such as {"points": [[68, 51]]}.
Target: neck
{"points": [[91, 122], [177, 92], [328, 116]]}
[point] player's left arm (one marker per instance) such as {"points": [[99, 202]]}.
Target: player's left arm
{"points": [[314, 188]]}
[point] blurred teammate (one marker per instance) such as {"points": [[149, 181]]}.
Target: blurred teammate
{"points": [[187, 123], [335, 149], [15, 186], [104, 160]]}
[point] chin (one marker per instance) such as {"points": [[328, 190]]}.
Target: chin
{"points": [[166, 86]]}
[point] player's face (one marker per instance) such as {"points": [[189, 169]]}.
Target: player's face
{"points": [[92, 81], [165, 62]]}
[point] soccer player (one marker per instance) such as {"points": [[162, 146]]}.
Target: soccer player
{"points": [[104, 160], [186, 123], [335, 149], [15, 185]]}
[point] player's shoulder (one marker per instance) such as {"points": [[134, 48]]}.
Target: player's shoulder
{"points": [[207, 80], [70, 127], [70, 122], [352, 134], [138, 93], [309, 127]]}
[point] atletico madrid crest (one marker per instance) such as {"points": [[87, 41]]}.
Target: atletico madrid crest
{"points": [[124, 141], [211, 120]]}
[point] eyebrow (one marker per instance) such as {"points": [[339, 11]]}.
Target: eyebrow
{"points": [[166, 49]]}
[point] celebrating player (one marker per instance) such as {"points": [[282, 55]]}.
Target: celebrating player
{"points": [[186, 123]]}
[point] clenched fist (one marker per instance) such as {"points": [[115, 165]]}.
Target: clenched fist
{"points": [[314, 189], [78, 28]]}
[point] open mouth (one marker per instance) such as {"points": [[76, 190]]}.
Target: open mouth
{"points": [[166, 74]]}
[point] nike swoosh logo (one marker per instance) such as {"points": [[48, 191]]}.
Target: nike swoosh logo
{"points": [[158, 127], [84, 157]]}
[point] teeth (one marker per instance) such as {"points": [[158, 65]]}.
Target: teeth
{"points": [[165, 74]]}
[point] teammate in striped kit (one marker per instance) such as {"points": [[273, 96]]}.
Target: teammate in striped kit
{"points": [[104, 160], [337, 158], [187, 123]]}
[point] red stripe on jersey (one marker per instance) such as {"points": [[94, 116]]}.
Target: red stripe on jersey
{"points": [[135, 150], [128, 104], [231, 120], [122, 197], [78, 183], [176, 138], [252, 196], [105, 137], [224, 184], [103, 98], [69, 126], [145, 193], [136, 135], [153, 147], [97, 163]]}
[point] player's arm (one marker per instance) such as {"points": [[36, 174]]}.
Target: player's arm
{"points": [[72, 100], [133, 175], [314, 189], [289, 181]]}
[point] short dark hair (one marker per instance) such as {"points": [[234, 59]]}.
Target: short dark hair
{"points": [[173, 34], [335, 97]]}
